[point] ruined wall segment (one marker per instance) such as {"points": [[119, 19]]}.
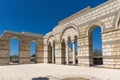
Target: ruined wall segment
{"points": [[77, 27], [24, 47], [106, 16]]}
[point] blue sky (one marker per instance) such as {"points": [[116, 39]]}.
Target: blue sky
{"points": [[14, 47], [97, 39], [38, 16]]}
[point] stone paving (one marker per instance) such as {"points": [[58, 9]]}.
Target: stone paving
{"points": [[55, 72]]}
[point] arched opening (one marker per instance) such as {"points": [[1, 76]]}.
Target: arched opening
{"points": [[95, 45], [70, 51], [14, 51], [54, 52], [76, 49], [33, 52], [68, 28], [49, 52], [63, 52], [69, 47]]}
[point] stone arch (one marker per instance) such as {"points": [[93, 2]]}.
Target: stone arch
{"points": [[93, 25], [16, 43], [93, 58], [116, 21], [68, 27], [48, 38], [32, 40], [15, 37]]}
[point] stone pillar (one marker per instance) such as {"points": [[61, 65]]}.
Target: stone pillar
{"points": [[73, 52], [49, 55], [58, 56], [67, 52], [40, 51], [4, 51], [84, 54], [24, 54], [53, 54], [45, 53]]}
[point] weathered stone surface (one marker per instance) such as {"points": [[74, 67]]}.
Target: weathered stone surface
{"points": [[81, 24], [53, 47], [24, 49]]}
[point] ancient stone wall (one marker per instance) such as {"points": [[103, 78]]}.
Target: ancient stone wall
{"points": [[24, 47], [107, 17], [54, 46]]}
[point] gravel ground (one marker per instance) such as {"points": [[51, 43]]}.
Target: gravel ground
{"points": [[56, 72]]}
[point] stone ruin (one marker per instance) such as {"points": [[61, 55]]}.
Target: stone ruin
{"points": [[53, 47]]}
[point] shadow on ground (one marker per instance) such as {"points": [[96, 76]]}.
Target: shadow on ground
{"points": [[41, 78]]}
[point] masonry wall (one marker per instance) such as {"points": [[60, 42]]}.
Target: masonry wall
{"points": [[105, 16], [4, 51], [84, 54], [24, 47], [59, 57], [40, 51], [111, 48]]}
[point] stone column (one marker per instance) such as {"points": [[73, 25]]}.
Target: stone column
{"points": [[84, 54], [67, 52], [45, 53], [24, 54], [49, 55], [73, 52], [40, 52], [58, 56], [4, 51], [53, 54]]}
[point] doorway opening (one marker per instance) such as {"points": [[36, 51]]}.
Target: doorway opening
{"points": [[14, 51]]}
